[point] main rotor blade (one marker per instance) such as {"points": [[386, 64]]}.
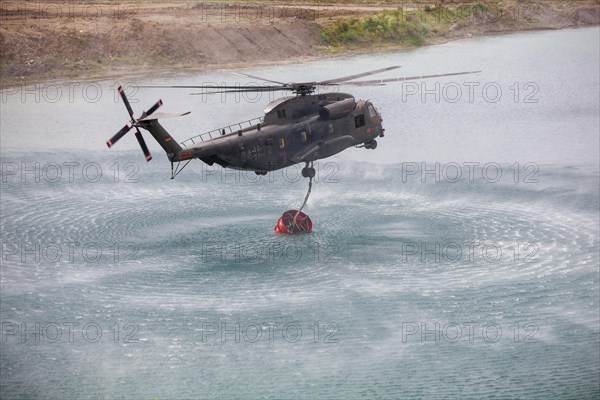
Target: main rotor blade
{"points": [[118, 135], [355, 76], [122, 93], [142, 143], [325, 85], [258, 77], [247, 90], [222, 87], [407, 78]]}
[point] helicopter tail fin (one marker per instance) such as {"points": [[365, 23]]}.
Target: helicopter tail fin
{"points": [[160, 134]]}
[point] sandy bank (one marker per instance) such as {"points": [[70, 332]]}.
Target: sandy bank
{"points": [[44, 41]]}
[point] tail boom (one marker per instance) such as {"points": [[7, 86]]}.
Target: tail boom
{"points": [[160, 134]]}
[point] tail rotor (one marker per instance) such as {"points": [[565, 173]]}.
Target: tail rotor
{"points": [[133, 124]]}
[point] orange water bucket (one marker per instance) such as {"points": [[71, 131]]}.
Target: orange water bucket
{"points": [[286, 223]]}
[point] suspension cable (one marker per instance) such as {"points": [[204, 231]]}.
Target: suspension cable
{"points": [[305, 197]]}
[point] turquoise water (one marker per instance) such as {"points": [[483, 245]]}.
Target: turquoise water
{"points": [[416, 282]]}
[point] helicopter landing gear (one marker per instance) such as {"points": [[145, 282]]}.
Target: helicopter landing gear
{"points": [[371, 145], [260, 172], [308, 171]]}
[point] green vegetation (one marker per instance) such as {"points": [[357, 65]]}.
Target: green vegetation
{"points": [[388, 26], [407, 27]]}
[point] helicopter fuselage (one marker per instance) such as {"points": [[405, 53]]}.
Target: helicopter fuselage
{"points": [[294, 130]]}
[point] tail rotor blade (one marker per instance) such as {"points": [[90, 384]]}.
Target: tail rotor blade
{"points": [[142, 143], [122, 93], [118, 135], [154, 107]]}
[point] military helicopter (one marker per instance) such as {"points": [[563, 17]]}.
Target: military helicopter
{"points": [[296, 129]]}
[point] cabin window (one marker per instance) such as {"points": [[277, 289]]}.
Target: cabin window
{"points": [[359, 120], [303, 136], [281, 143], [269, 142], [281, 113], [372, 112]]}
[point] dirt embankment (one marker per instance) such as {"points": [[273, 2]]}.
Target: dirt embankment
{"points": [[65, 40]]}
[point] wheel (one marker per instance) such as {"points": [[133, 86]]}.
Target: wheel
{"points": [[308, 172], [371, 144]]}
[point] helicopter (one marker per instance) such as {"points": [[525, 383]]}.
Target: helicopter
{"points": [[302, 128]]}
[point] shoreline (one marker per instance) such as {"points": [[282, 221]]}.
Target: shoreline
{"points": [[149, 44], [123, 73]]}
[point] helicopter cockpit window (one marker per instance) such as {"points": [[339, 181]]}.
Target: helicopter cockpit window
{"points": [[359, 120], [372, 112]]}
